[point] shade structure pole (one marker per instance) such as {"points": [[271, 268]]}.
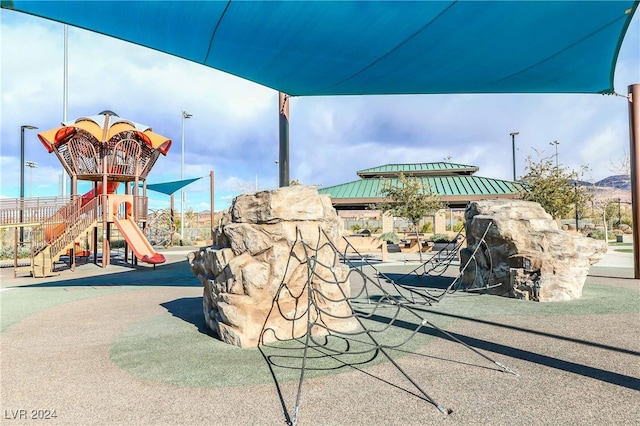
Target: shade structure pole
{"points": [[171, 222], [634, 157], [283, 158]]}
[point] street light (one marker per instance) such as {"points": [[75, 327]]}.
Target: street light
{"points": [[22, 129], [556, 143], [185, 116], [513, 149], [32, 165]]}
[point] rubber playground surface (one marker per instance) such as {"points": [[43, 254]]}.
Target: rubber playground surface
{"points": [[128, 345]]}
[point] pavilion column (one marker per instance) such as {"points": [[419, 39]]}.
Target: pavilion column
{"points": [[440, 221], [283, 159], [387, 222], [634, 157]]}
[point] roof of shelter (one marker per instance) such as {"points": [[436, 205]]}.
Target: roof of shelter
{"points": [[374, 47], [418, 169], [455, 189]]}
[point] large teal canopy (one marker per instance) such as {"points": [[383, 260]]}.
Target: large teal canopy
{"points": [[374, 47]]}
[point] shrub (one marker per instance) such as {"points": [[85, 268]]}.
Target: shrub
{"points": [[7, 252], [355, 227], [427, 227], [440, 238], [117, 244], [390, 237], [599, 235]]}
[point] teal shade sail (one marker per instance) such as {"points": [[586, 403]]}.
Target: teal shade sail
{"points": [[306, 48], [169, 188]]}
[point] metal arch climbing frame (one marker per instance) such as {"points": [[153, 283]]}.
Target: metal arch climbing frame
{"points": [[336, 345]]}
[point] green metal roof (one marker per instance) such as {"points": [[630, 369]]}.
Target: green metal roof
{"points": [[418, 169], [445, 186]]}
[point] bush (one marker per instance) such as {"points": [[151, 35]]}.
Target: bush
{"points": [[114, 244], [440, 238], [355, 227], [7, 252], [599, 235], [390, 238], [427, 227]]}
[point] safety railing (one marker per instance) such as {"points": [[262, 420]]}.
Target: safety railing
{"points": [[80, 221], [62, 228], [15, 211]]}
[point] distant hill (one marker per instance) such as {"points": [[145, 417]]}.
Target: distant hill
{"points": [[617, 181]]}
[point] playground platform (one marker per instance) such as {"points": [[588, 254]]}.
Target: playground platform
{"points": [[127, 345]]}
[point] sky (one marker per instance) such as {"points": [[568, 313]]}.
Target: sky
{"points": [[233, 130]]}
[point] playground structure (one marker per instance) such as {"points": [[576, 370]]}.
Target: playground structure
{"points": [[107, 151]]}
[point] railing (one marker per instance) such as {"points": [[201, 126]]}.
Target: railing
{"points": [[141, 207], [64, 226], [14, 211], [80, 221]]}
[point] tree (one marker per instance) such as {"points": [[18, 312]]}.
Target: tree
{"points": [[556, 189], [410, 199], [621, 166]]}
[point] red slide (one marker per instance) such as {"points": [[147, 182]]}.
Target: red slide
{"points": [[137, 241], [90, 195]]}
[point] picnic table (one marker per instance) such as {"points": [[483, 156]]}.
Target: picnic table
{"points": [[410, 245]]}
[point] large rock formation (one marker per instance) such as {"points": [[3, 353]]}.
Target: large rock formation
{"points": [[525, 256], [270, 248]]}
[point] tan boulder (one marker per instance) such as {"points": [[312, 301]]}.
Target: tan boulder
{"points": [[524, 254], [257, 281]]}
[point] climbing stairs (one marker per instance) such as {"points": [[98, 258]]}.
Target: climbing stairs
{"points": [[59, 233]]}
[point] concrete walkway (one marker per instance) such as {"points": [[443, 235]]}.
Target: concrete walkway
{"points": [[578, 363]]}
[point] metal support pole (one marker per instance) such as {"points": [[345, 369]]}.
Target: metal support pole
{"points": [[172, 222], [283, 159], [65, 97], [185, 116], [634, 157], [22, 129], [556, 143], [105, 215], [619, 215]]}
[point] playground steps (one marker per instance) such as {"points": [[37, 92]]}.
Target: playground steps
{"points": [[22, 270], [43, 261], [42, 264]]}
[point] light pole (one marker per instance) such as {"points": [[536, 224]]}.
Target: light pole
{"points": [[31, 165], [556, 143], [22, 129], [619, 215], [513, 150], [185, 116]]}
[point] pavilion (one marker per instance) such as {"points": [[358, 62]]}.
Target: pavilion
{"points": [[455, 184]]}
